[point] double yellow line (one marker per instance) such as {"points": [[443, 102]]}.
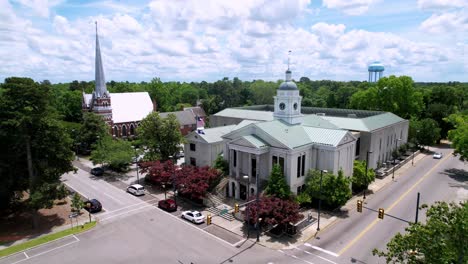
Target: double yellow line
{"points": [[363, 232]]}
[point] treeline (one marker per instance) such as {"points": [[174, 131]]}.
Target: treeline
{"points": [[399, 95]]}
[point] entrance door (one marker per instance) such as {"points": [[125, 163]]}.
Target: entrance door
{"points": [[243, 192]]}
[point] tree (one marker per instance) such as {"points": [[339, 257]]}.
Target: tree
{"points": [[427, 131], [221, 164], [196, 181], [273, 211], [92, 129], [39, 149], [459, 135], [160, 135], [76, 203], [359, 179], [158, 172], [336, 190], [277, 184], [442, 239], [116, 153]]}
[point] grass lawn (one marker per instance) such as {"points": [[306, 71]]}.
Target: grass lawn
{"points": [[45, 239]]}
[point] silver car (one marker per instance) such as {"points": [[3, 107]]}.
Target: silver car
{"points": [[136, 189]]}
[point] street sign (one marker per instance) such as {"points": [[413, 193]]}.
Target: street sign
{"points": [[72, 215]]}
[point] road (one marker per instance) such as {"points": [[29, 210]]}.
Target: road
{"points": [[133, 230], [353, 237]]}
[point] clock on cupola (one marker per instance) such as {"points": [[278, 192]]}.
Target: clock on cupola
{"points": [[288, 101]]}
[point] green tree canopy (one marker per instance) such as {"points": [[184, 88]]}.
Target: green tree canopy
{"points": [[116, 153], [160, 135], [426, 131], [459, 135], [39, 150], [336, 190], [442, 239], [277, 185], [359, 179], [92, 129]]}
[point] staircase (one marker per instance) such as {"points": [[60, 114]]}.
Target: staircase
{"points": [[218, 207]]}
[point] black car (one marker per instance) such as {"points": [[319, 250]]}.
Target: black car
{"points": [[98, 171], [92, 206]]}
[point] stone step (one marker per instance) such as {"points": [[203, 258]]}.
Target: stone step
{"points": [[216, 211]]}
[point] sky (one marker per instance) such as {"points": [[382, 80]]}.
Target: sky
{"points": [[194, 40]]}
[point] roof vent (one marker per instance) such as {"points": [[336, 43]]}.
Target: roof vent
{"points": [[320, 114], [352, 115]]}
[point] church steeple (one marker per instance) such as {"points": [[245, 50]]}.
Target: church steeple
{"points": [[100, 89]]}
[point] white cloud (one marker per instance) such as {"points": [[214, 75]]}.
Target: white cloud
{"points": [[40, 7], [350, 7], [447, 22], [438, 4]]}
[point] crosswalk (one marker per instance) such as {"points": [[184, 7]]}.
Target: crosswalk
{"points": [[311, 254]]}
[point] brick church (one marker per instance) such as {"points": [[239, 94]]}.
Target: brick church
{"points": [[121, 111]]}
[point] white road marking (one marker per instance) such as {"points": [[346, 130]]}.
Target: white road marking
{"points": [[295, 257], [125, 207], [76, 238], [113, 198], [310, 253], [126, 212], [47, 251], [321, 249], [26, 254]]}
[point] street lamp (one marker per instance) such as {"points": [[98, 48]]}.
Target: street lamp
{"points": [[394, 158], [164, 187], [367, 164], [258, 207], [320, 199], [136, 163]]}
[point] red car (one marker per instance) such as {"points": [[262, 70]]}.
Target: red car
{"points": [[168, 205]]}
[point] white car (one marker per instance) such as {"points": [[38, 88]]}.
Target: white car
{"points": [[437, 155], [136, 189], [193, 216]]}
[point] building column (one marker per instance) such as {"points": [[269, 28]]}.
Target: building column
{"points": [[370, 77], [238, 157], [237, 192], [257, 179]]}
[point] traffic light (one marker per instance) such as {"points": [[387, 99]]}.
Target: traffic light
{"points": [[359, 206], [208, 219], [236, 208], [381, 213]]}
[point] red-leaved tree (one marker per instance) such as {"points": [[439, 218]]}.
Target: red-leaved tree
{"points": [[195, 181], [158, 172], [273, 211]]}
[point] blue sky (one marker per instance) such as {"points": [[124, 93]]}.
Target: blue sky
{"points": [[195, 40]]}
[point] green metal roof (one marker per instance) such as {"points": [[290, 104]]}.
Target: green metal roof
{"points": [[246, 114], [365, 124], [317, 121], [256, 141], [294, 136], [213, 135]]}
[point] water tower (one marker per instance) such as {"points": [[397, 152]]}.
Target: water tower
{"points": [[375, 71]]}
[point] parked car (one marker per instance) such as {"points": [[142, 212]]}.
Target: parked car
{"points": [[193, 216], [168, 205], [97, 171], [93, 206], [437, 155], [136, 189]]}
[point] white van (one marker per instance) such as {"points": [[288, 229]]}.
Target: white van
{"points": [[136, 189]]}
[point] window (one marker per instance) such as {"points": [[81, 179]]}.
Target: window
{"points": [[193, 162], [124, 131], [192, 147], [132, 130], [254, 168], [116, 131], [303, 165], [298, 169], [281, 163], [234, 158], [380, 145], [401, 133], [274, 161], [299, 189], [358, 146]]}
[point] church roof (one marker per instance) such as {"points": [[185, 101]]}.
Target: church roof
{"points": [[127, 107], [365, 124], [212, 135]]}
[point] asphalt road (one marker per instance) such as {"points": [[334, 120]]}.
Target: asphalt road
{"points": [[135, 231], [355, 236]]}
